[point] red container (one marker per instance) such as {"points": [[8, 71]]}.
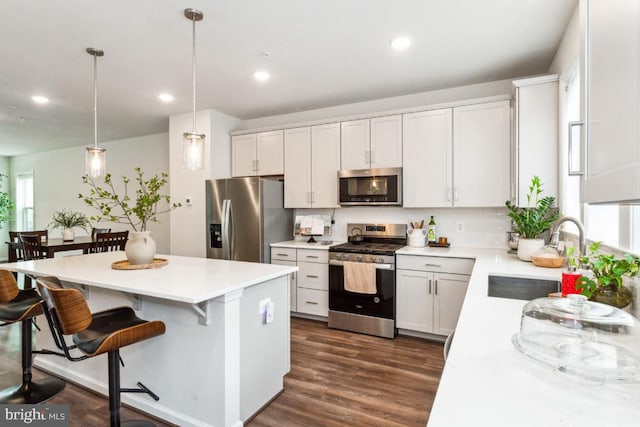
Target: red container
{"points": [[569, 279]]}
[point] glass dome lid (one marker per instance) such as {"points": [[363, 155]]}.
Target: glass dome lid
{"points": [[597, 342]]}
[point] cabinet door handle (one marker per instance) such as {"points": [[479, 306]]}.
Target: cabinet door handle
{"points": [[455, 194], [311, 302], [313, 193], [372, 156], [436, 287], [312, 276], [573, 172], [282, 254], [311, 256], [429, 286], [448, 194], [433, 265]]}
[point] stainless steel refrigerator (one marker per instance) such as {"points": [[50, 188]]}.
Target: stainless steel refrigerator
{"points": [[244, 216]]}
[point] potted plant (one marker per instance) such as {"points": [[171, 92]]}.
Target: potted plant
{"points": [[136, 210], [531, 221], [607, 272], [68, 220]]}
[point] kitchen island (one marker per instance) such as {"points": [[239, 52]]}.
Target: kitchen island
{"points": [[219, 361], [487, 382]]}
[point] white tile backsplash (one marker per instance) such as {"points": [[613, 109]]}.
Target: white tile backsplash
{"points": [[481, 227]]}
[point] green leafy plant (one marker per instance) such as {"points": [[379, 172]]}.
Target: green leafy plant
{"points": [[6, 206], [608, 270], [533, 220], [67, 219], [135, 210]]}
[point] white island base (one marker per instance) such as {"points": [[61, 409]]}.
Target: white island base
{"points": [[219, 361]]}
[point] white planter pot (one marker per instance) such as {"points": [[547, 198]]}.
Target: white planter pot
{"points": [[528, 247], [68, 235], [140, 248], [417, 237]]}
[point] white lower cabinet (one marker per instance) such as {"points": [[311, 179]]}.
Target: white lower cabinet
{"points": [[428, 299], [310, 285]]}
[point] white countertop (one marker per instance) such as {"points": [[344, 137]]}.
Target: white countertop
{"points": [[487, 382], [185, 279], [302, 244]]}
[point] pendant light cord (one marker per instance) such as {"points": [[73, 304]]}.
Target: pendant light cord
{"points": [[193, 62], [95, 100]]}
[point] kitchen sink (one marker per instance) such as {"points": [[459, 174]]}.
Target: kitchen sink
{"points": [[522, 288]]}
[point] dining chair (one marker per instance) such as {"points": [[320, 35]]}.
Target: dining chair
{"points": [[97, 333], [95, 231], [31, 246], [15, 246], [114, 241]]}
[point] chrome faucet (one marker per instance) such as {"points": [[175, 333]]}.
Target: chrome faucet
{"points": [[555, 233]]}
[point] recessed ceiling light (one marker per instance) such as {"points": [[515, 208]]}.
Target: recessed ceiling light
{"points": [[165, 97], [261, 75], [400, 43], [40, 99]]}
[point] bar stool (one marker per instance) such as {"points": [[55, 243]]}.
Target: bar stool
{"points": [[96, 333], [22, 306]]}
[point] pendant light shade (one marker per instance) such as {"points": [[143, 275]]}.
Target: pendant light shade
{"points": [[95, 157], [193, 142]]}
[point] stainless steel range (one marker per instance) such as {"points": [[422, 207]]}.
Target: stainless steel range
{"points": [[363, 299]]}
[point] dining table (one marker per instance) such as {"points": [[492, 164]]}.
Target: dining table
{"points": [[53, 245]]}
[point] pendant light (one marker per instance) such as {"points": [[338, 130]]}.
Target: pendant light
{"points": [[95, 157], [193, 142]]}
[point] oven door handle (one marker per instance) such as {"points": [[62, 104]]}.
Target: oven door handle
{"points": [[378, 266]]}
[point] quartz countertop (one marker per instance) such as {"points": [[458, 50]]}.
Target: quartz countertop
{"points": [[186, 279], [487, 382], [302, 244]]}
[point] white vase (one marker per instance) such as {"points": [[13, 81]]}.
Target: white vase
{"points": [[417, 237], [528, 247], [140, 248], [68, 235]]}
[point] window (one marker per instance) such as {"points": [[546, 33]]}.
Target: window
{"points": [[24, 202]]}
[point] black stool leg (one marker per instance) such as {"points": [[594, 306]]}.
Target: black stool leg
{"points": [[114, 394], [30, 391]]}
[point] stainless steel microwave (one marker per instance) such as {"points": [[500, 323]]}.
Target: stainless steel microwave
{"points": [[370, 187]]}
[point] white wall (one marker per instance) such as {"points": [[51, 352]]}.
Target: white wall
{"points": [[58, 178], [188, 224], [569, 47], [5, 170]]}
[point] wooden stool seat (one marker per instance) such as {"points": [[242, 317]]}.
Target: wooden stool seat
{"points": [[18, 305], [96, 333], [113, 329]]}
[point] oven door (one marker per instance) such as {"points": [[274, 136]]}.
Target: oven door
{"points": [[380, 304]]}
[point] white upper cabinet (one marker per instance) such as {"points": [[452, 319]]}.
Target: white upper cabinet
{"points": [[355, 144], [611, 34], [297, 168], [325, 164], [535, 136], [311, 164], [457, 156], [386, 142], [481, 151], [427, 145], [371, 143], [258, 154]]}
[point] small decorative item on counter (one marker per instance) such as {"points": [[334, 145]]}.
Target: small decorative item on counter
{"points": [[608, 271], [416, 224], [547, 257], [431, 234], [569, 279], [532, 221], [416, 237]]}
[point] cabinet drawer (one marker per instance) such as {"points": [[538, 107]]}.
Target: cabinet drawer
{"points": [[437, 264], [311, 255], [314, 276], [283, 254], [312, 301]]}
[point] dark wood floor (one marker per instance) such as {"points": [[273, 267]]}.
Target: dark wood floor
{"points": [[337, 378]]}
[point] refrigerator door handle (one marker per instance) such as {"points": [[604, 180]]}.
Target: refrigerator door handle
{"points": [[225, 229], [229, 220]]}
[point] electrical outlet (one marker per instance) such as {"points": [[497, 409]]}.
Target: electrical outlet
{"points": [[460, 227]]}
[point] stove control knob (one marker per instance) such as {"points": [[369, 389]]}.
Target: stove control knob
{"points": [[340, 256], [359, 258], [380, 260]]}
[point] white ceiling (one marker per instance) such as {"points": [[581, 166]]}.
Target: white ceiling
{"points": [[322, 53]]}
